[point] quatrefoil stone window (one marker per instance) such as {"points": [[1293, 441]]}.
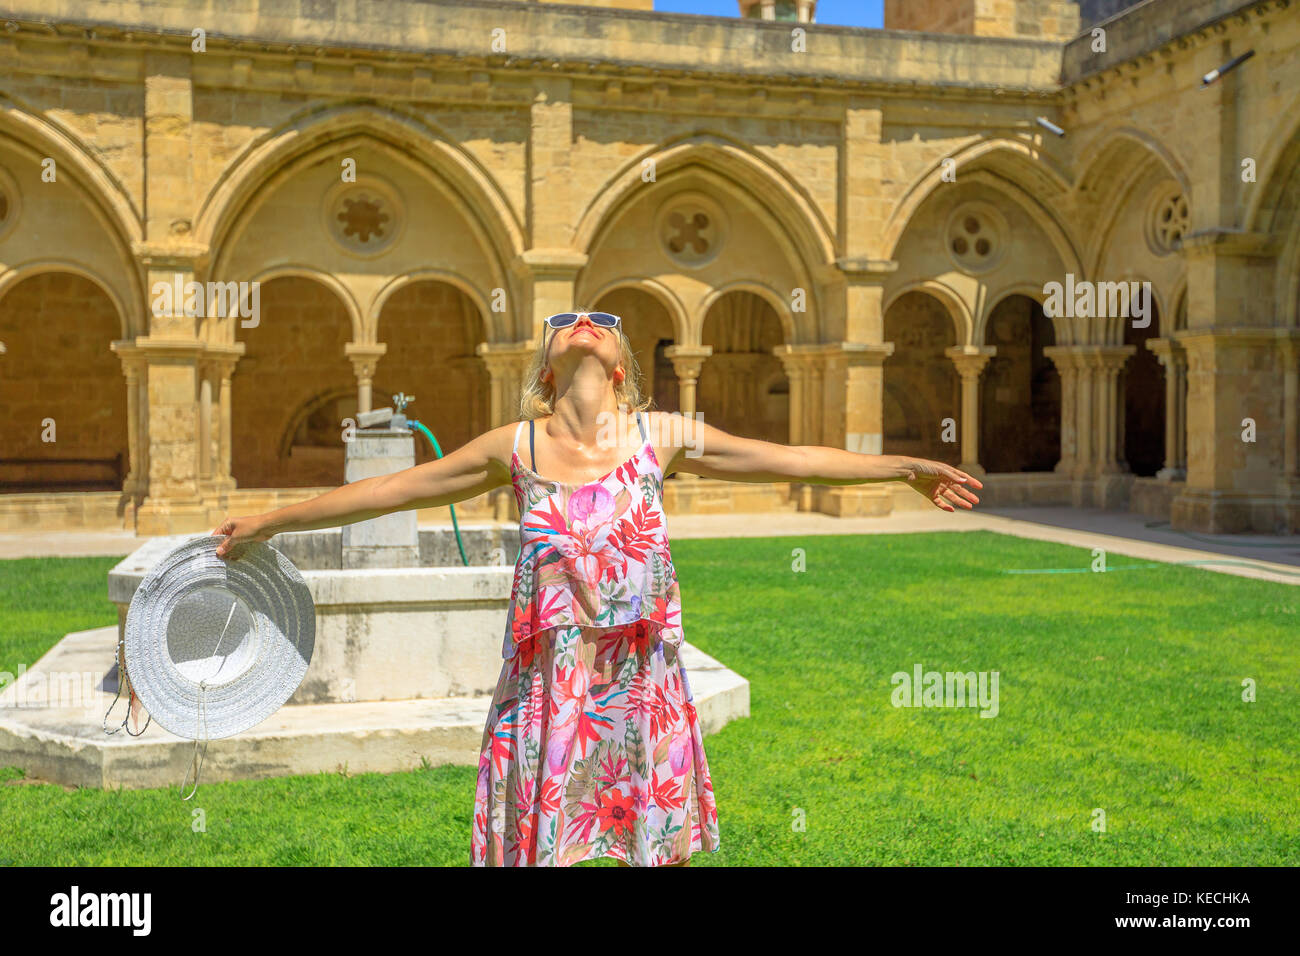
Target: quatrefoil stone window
{"points": [[364, 217], [1171, 221], [692, 229]]}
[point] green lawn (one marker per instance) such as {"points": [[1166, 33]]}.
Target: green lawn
{"points": [[1119, 691]]}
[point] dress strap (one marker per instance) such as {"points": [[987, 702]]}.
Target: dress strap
{"points": [[532, 454], [517, 430], [641, 425]]}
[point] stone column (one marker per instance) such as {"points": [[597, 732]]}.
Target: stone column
{"points": [[1289, 346], [364, 357], [970, 362], [1289, 481], [173, 504], [1108, 362], [223, 475], [1174, 360], [505, 363], [687, 361], [798, 372], [134, 368], [1067, 366], [1233, 374]]}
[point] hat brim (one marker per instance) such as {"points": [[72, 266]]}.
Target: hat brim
{"points": [[273, 656]]}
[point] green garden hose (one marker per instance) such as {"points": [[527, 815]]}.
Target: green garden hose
{"points": [[438, 451]]}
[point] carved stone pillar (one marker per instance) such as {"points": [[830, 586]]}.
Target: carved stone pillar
{"points": [[136, 484], [1290, 349], [505, 363], [1067, 366], [687, 361], [217, 367], [365, 358], [1171, 355], [1110, 361], [173, 503], [970, 362], [798, 373]]}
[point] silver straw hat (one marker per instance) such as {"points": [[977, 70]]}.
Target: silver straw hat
{"points": [[215, 646]]}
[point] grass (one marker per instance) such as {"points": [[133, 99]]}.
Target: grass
{"points": [[1118, 692]]}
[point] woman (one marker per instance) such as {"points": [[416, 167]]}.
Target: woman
{"points": [[592, 745]]}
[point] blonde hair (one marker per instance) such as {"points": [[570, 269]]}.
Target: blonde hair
{"points": [[537, 398]]}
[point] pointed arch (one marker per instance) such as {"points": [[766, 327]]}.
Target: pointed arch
{"points": [[1110, 153], [39, 137], [276, 155], [1008, 160], [765, 186]]}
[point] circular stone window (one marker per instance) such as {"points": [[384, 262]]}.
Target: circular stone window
{"points": [[692, 229], [8, 201], [365, 217], [976, 237], [1169, 220]]}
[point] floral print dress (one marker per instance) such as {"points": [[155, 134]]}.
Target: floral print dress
{"points": [[592, 745]]}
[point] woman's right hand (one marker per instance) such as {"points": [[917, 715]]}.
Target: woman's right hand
{"points": [[240, 531]]}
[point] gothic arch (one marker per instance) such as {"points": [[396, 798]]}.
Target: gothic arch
{"points": [[1107, 150], [39, 137], [996, 157], [278, 154], [766, 188]]}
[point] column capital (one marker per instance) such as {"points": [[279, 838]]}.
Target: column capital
{"points": [[177, 253], [499, 354], [688, 359], [222, 358], [365, 357], [1225, 242], [160, 349], [864, 269], [550, 263], [970, 360]]}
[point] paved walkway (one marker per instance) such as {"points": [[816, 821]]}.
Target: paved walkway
{"points": [[1269, 557]]}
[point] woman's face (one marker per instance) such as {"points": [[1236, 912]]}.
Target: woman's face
{"points": [[567, 347]]}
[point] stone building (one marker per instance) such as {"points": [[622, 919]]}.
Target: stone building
{"points": [[816, 235]]}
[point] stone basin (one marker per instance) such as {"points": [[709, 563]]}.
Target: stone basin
{"points": [[402, 675]]}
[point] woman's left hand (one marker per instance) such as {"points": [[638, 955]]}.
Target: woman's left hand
{"points": [[942, 484]]}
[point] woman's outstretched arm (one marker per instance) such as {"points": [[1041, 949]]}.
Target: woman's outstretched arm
{"points": [[701, 449], [467, 472]]}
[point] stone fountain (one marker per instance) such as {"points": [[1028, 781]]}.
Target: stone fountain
{"points": [[407, 655]]}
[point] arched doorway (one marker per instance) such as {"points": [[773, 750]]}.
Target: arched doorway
{"points": [[431, 329], [292, 389], [649, 330], [62, 391], [1144, 400], [743, 387], [921, 385], [1020, 401]]}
